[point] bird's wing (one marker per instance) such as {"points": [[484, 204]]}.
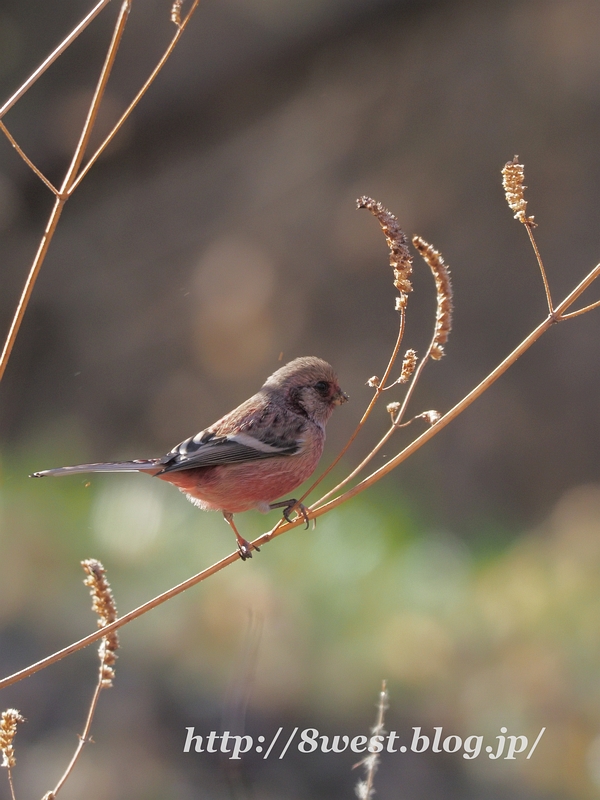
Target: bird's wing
{"points": [[207, 449]]}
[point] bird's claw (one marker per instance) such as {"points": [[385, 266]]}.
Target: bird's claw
{"points": [[245, 549], [302, 511], [292, 505]]}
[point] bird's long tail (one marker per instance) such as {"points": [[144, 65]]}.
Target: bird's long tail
{"points": [[150, 466]]}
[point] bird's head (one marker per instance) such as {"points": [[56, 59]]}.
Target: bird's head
{"points": [[310, 385]]}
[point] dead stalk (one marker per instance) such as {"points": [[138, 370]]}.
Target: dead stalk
{"points": [[62, 195], [25, 158], [74, 175], [364, 788], [47, 62], [103, 604], [136, 100]]}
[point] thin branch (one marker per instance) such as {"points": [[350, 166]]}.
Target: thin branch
{"points": [[135, 101], [26, 159], [10, 783], [378, 391], [364, 789], [61, 197], [397, 424], [529, 226], [513, 177], [103, 603], [137, 612], [572, 314], [550, 320], [401, 263], [52, 57], [72, 180], [30, 283], [316, 510], [88, 125], [83, 739], [441, 329]]}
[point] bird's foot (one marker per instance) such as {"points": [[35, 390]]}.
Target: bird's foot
{"points": [[292, 505], [244, 548]]}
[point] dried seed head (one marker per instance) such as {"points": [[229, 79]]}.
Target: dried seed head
{"points": [[364, 788], [103, 603], [443, 287], [393, 408], [408, 365], [400, 258], [8, 729], [373, 382], [513, 175], [431, 416], [176, 12]]}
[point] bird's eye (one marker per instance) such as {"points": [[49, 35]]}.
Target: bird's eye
{"points": [[322, 388]]}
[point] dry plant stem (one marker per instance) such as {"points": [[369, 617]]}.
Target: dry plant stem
{"points": [[378, 391], [10, 783], [443, 324], [137, 612], [52, 57], [96, 99], [72, 181], [28, 161], [551, 319], [581, 311], [83, 739], [68, 180], [136, 100], [397, 423], [318, 510], [365, 789], [30, 283], [541, 266]]}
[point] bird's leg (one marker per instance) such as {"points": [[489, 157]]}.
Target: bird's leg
{"points": [[244, 547], [289, 506]]}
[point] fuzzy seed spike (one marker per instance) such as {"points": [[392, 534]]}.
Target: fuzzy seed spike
{"points": [[400, 258], [8, 729], [443, 286], [513, 175], [103, 603]]}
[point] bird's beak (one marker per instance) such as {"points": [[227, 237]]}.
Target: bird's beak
{"points": [[340, 397]]}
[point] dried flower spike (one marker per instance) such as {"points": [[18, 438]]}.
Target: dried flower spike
{"points": [[365, 789], [373, 382], [103, 603], [8, 729], [513, 175], [176, 12], [400, 258], [408, 365], [443, 287]]}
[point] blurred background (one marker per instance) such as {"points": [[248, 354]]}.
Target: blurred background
{"points": [[219, 232]]}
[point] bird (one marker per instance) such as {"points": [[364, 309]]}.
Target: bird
{"points": [[262, 450]]}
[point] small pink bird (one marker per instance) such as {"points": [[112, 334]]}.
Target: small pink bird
{"points": [[261, 450]]}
